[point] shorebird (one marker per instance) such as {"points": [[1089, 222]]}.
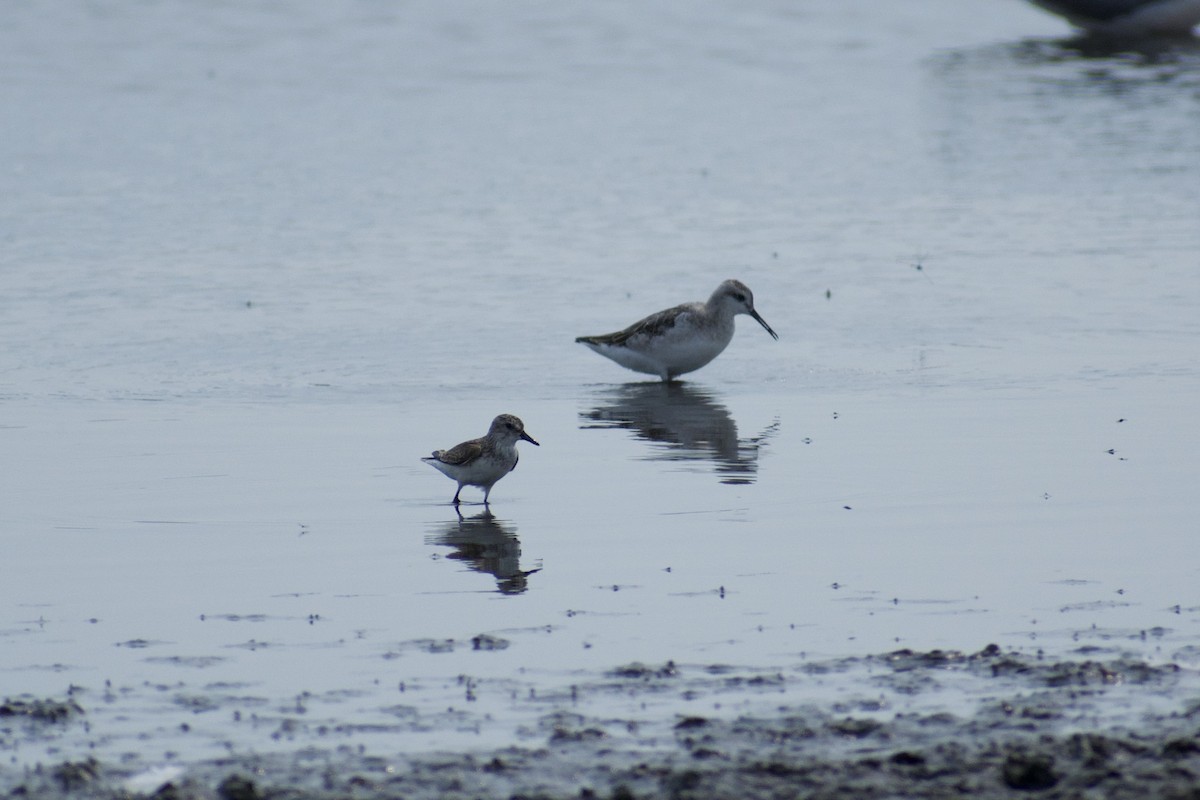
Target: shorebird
{"points": [[481, 462], [1127, 17], [680, 339]]}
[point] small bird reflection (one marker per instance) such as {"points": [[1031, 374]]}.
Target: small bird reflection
{"points": [[485, 544], [689, 422], [1170, 58]]}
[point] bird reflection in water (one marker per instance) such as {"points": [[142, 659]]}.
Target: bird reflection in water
{"points": [[689, 424], [485, 544]]}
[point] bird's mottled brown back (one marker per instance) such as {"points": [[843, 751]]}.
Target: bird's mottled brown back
{"points": [[653, 325], [460, 454]]}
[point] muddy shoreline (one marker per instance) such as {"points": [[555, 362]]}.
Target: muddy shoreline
{"points": [[1039, 727]]}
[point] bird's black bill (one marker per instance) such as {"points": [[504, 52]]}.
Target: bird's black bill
{"points": [[529, 438], [763, 322]]}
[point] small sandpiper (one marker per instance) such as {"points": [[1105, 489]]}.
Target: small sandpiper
{"points": [[680, 339], [482, 462]]}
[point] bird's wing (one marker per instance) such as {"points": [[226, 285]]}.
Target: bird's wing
{"points": [[653, 325], [460, 454]]}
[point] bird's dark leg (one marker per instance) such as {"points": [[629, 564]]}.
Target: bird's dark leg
{"points": [[456, 501]]}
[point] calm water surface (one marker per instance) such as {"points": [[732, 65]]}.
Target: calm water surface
{"points": [[256, 263]]}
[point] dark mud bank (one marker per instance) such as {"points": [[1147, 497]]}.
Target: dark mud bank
{"points": [[1040, 727]]}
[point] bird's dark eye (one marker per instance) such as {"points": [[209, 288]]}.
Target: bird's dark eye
{"points": [[511, 427], [741, 298]]}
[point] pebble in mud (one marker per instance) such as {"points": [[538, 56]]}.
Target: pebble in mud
{"points": [[39, 710], [1029, 772], [236, 787]]}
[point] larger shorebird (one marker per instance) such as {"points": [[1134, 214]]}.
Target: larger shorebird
{"points": [[1127, 17], [680, 339], [483, 461]]}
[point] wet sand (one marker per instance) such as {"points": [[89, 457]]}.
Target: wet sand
{"points": [[1040, 726]]}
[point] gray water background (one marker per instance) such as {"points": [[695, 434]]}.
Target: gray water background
{"points": [[255, 261]]}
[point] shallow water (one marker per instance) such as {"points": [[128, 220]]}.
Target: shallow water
{"points": [[256, 264]]}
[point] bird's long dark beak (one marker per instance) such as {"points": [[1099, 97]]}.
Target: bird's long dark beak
{"points": [[763, 322], [528, 438]]}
